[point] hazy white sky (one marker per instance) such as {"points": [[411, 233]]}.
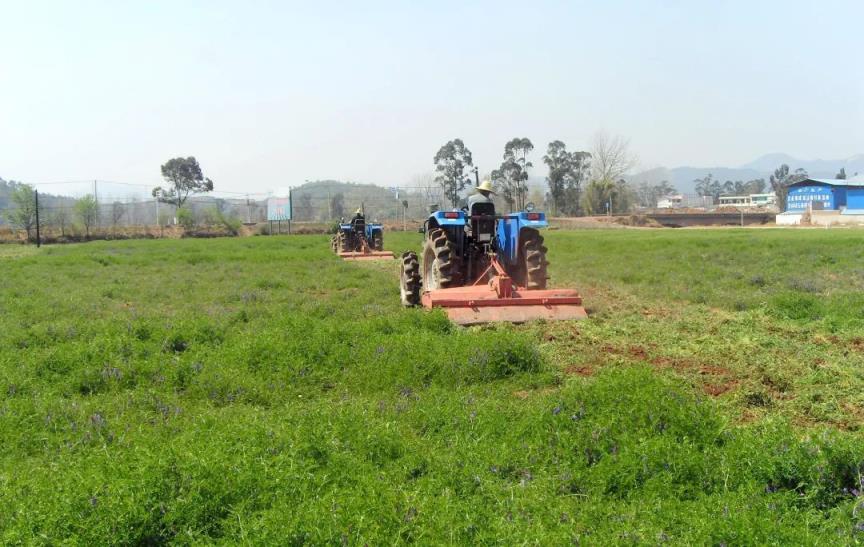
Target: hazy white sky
{"points": [[268, 94]]}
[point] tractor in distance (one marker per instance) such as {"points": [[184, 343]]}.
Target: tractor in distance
{"points": [[359, 240]]}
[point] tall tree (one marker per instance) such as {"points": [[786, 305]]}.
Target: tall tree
{"points": [[603, 196], [430, 191], [117, 212], [506, 179], [567, 173], [558, 160], [87, 209], [611, 158], [451, 163], [648, 195], [574, 180], [516, 152], [23, 212], [60, 218], [708, 186], [184, 177], [780, 181], [755, 186], [337, 205]]}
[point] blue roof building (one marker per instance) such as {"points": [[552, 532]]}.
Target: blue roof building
{"points": [[825, 195], [843, 197]]}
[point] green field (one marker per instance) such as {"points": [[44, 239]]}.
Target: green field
{"points": [[260, 390]]}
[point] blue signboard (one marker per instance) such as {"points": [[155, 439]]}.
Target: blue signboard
{"points": [[279, 208], [822, 197]]}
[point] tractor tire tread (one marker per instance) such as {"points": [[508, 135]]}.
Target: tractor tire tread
{"points": [[441, 249], [536, 265], [410, 281]]}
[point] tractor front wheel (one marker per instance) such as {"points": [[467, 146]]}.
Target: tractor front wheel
{"points": [[439, 264], [409, 279], [341, 242]]}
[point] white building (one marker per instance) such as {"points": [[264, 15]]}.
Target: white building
{"points": [[690, 201], [671, 202], [752, 200]]}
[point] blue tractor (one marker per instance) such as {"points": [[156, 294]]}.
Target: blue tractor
{"points": [[484, 267], [359, 240]]}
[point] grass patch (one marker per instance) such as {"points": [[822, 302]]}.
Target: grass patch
{"points": [[262, 390]]}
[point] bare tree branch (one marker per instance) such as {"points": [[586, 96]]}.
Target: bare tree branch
{"points": [[611, 158]]}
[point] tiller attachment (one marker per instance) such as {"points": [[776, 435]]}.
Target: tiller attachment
{"points": [[366, 253], [501, 300]]}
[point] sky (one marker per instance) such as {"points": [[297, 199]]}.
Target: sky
{"points": [[270, 94]]}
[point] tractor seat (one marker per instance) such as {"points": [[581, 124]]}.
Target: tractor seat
{"points": [[482, 229], [483, 209]]}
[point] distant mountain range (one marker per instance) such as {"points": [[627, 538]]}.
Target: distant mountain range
{"points": [[682, 178]]}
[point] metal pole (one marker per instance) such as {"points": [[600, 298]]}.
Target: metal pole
{"points": [[38, 235], [96, 199]]}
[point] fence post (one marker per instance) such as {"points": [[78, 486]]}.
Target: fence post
{"points": [[38, 234]]}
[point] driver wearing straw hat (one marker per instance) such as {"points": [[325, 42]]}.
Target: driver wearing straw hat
{"points": [[482, 194]]}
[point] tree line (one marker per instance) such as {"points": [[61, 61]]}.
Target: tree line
{"points": [[588, 183], [184, 178], [22, 213], [578, 182], [778, 182], [708, 186]]}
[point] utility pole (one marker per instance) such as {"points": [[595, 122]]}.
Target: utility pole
{"points": [[96, 199], [38, 235], [329, 206], [248, 211]]}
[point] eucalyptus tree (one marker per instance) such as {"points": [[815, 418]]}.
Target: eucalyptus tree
{"points": [[451, 162]]}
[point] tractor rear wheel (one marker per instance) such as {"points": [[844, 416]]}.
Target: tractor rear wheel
{"points": [[440, 269], [532, 259], [378, 241], [341, 242], [409, 279]]}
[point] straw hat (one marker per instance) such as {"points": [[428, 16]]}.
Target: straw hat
{"points": [[486, 186]]}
